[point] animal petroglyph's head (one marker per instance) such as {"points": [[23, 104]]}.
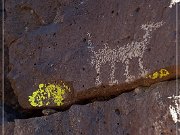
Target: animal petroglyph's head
{"points": [[48, 94], [151, 26]]}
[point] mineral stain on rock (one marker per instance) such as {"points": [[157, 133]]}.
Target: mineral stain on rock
{"points": [[48, 94]]}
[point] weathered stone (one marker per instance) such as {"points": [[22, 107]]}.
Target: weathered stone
{"points": [[20, 18], [143, 111], [23, 16], [10, 100], [8, 128], [94, 42]]}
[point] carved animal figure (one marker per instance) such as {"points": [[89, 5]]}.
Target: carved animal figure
{"points": [[123, 54]]}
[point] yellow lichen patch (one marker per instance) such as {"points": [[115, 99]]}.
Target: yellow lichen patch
{"points": [[163, 72], [158, 74], [48, 94]]}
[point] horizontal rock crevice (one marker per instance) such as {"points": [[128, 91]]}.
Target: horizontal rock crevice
{"points": [[107, 92], [150, 103]]}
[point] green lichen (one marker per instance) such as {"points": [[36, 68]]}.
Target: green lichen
{"points": [[48, 94]]}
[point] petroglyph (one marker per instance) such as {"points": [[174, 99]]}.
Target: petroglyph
{"points": [[173, 2], [175, 110], [123, 54]]}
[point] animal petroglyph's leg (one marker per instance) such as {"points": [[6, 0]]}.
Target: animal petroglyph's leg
{"points": [[128, 77], [142, 70], [98, 82], [112, 78]]}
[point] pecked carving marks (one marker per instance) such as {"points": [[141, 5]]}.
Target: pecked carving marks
{"points": [[173, 2], [174, 109], [123, 54]]}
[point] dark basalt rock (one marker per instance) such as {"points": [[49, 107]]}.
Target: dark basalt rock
{"points": [[62, 50], [27, 15], [67, 48], [8, 128], [145, 110]]}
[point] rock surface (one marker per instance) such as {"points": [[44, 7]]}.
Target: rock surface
{"points": [[142, 111], [8, 128], [66, 52], [87, 44]]}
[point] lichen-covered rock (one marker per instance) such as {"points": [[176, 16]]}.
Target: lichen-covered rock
{"points": [[66, 52], [94, 43], [142, 111]]}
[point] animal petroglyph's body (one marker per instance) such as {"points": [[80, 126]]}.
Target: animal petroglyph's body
{"points": [[122, 54]]}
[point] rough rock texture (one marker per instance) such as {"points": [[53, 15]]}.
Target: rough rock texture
{"points": [[8, 128], [142, 111], [87, 44], [11, 108], [89, 50], [24, 16], [20, 18]]}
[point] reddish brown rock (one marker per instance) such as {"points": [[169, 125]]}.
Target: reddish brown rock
{"points": [[143, 111], [62, 51]]}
